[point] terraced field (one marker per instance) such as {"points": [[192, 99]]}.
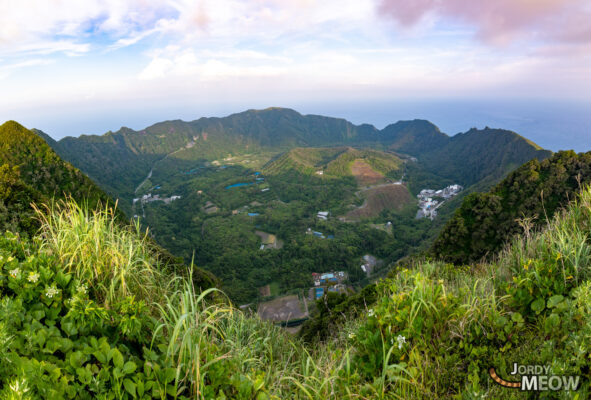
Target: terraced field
{"points": [[365, 175], [383, 197]]}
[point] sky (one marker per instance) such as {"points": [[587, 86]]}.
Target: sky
{"points": [[71, 67]]}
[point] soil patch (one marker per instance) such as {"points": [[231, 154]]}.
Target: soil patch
{"points": [[388, 197], [282, 309], [365, 175]]}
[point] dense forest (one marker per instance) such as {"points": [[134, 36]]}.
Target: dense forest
{"points": [[210, 165], [111, 321], [526, 199], [31, 172], [224, 240]]}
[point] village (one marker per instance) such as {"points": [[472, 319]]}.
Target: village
{"points": [[428, 203]]}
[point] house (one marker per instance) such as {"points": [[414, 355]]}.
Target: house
{"points": [[210, 208], [265, 190], [322, 215], [320, 172], [319, 292], [370, 260]]}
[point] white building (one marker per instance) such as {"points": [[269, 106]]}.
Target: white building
{"points": [[323, 215]]}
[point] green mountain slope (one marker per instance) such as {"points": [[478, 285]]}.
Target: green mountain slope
{"points": [[533, 192], [413, 137], [335, 161], [119, 161], [428, 331], [481, 154], [209, 167], [31, 172]]}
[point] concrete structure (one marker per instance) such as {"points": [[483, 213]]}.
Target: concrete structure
{"points": [[323, 215]]}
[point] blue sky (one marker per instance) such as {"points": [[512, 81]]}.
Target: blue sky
{"points": [[70, 67]]}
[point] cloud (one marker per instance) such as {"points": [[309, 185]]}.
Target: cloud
{"points": [[54, 22], [174, 62], [500, 22], [7, 68]]}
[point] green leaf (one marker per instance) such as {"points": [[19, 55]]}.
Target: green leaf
{"points": [[555, 300], [129, 367], [169, 375], [102, 358], [117, 358], [69, 328], [140, 388], [129, 386], [77, 358], [516, 317], [538, 306]]}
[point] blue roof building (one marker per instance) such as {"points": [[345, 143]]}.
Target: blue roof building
{"points": [[319, 292]]}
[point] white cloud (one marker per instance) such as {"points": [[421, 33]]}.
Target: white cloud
{"points": [[157, 68], [256, 49]]}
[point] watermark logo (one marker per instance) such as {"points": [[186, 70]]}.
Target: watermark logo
{"points": [[536, 378]]}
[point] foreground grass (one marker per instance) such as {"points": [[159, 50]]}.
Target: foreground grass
{"points": [[89, 311]]}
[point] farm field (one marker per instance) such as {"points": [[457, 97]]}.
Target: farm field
{"points": [[377, 199], [365, 175], [283, 309]]}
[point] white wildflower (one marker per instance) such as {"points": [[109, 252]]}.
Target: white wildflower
{"points": [[15, 273], [352, 335], [33, 277], [51, 291], [401, 340], [370, 312], [83, 289]]}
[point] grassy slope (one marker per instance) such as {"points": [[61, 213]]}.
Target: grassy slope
{"points": [[30, 171], [485, 221], [335, 161], [530, 306]]}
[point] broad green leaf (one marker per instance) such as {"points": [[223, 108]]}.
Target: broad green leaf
{"points": [[129, 386], [129, 367], [554, 300], [538, 305], [117, 358]]}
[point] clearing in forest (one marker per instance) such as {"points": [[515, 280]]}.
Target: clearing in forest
{"points": [[365, 174], [384, 197], [285, 308]]}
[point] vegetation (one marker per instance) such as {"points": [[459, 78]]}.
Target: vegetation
{"points": [[197, 160], [527, 198], [334, 162], [119, 161], [434, 330], [30, 171]]}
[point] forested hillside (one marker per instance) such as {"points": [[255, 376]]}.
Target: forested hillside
{"points": [[111, 321], [527, 198], [120, 160], [31, 172], [334, 162], [272, 171]]}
